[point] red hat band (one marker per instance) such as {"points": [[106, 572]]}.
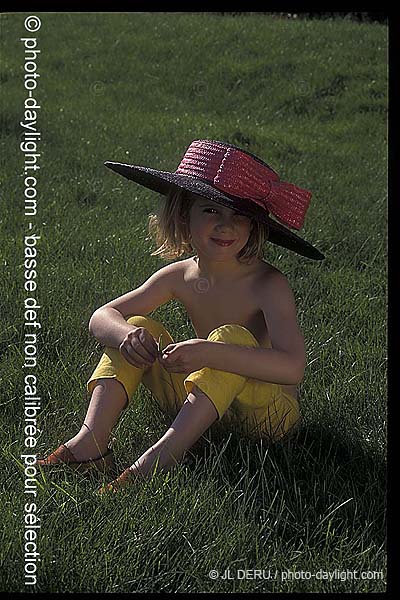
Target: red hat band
{"points": [[232, 171]]}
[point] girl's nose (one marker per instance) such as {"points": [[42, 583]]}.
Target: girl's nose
{"points": [[225, 221]]}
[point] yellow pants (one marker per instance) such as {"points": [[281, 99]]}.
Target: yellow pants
{"points": [[252, 407]]}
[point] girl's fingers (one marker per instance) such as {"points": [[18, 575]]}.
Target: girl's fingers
{"points": [[128, 357], [152, 347], [168, 348], [148, 351], [147, 347], [134, 355], [133, 359], [145, 354]]}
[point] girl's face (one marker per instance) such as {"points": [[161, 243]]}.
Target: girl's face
{"points": [[217, 232]]}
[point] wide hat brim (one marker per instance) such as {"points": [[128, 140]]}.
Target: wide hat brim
{"points": [[163, 181]]}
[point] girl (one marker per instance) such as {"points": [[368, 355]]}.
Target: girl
{"points": [[242, 370]]}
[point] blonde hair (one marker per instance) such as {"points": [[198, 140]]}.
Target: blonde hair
{"points": [[169, 227]]}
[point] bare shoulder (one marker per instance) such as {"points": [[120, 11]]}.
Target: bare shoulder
{"points": [[172, 275], [177, 273], [172, 268], [267, 276], [272, 286], [158, 289], [183, 269]]}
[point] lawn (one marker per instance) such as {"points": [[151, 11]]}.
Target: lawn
{"points": [[310, 98]]}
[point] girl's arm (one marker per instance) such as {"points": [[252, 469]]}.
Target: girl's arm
{"points": [[264, 364], [285, 362], [108, 323]]}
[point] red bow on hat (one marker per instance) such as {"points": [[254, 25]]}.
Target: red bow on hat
{"points": [[239, 174]]}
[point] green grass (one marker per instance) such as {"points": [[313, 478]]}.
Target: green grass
{"points": [[310, 97]]}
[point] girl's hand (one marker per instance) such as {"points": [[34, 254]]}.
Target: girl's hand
{"points": [[139, 348], [184, 357]]}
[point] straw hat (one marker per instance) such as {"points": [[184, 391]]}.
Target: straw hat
{"points": [[239, 180]]}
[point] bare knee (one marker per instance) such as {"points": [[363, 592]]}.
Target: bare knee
{"points": [[233, 334], [198, 393], [111, 387]]}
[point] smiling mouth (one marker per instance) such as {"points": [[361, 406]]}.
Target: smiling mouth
{"points": [[222, 242]]}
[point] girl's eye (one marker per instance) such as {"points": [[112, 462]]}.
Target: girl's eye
{"points": [[215, 211]]}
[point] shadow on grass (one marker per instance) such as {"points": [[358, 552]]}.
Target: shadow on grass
{"points": [[323, 479], [323, 476]]}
